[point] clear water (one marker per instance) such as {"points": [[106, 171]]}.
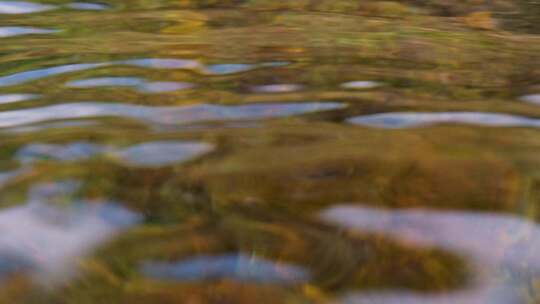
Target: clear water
{"points": [[254, 151]]}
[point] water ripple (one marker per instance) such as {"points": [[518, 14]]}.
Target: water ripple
{"points": [[162, 63], [238, 267], [27, 76], [161, 115], [5, 177], [414, 119], [48, 240], [359, 85], [12, 98], [87, 6], [164, 86], [52, 125], [495, 244], [148, 154], [69, 152], [21, 7], [105, 81], [149, 63], [277, 88], [139, 84], [533, 98], [161, 153], [11, 31], [22, 77], [228, 68]]}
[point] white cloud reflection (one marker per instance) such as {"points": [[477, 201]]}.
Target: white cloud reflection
{"points": [[44, 240], [495, 245]]}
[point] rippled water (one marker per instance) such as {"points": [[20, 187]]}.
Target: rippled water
{"points": [[253, 151]]}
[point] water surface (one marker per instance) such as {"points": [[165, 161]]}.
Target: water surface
{"points": [[253, 151]]}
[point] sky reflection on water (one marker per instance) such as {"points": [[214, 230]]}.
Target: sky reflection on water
{"points": [[47, 240], [504, 250], [7, 176], [162, 63], [87, 6], [69, 152], [411, 119], [21, 7], [139, 84], [51, 126], [360, 84], [22, 77], [149, 63], [238, 267], [229, 68], [164, 86], [148, 154], [161, 115], [105, 81], [11, 31], [277, 88], [161, 153], [12, 98], [533, 98]]}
